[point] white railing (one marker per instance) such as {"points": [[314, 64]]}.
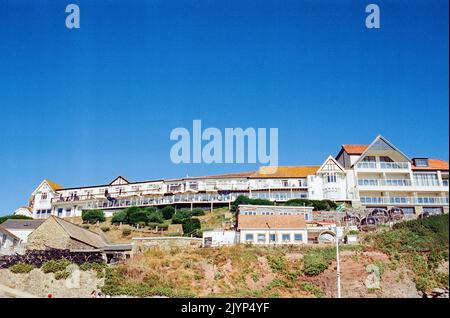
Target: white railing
{"points": [[405, 200], [385, 182], [383, 165], [189, 198], [401, 183]]}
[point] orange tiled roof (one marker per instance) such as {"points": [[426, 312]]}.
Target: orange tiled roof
{"points": [[354, 149], [226, 175], [274, 222], [54, 185], [285, 172], [434, 164], [270, 172]]}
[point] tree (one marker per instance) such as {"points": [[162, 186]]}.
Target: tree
{"points": [[120, 217], [138, 216], [180, 216], [190, 226], [168, 212], [93, 216], [155, 216]]}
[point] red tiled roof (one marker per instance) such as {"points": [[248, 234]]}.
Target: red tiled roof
{"points": [[354, 149], [434, 164]]}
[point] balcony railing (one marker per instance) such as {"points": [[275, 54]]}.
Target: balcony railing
{"points": [[405, 200], [383, 165], [401, 183], [187, 198]]}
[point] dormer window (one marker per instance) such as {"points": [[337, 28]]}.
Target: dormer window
{"points": [[421, 162]]}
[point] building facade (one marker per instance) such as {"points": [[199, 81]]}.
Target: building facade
{"points": [[374, 175]]}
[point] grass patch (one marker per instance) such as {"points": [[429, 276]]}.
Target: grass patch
{"points": [[312, 289], [20, 268], [317, 260]]}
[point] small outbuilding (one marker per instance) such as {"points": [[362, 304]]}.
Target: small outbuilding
{"points": [[216, 238], [57, 233]]}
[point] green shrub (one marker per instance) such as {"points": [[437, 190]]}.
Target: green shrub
{"points": [[190, 226], [242, 199], [105, 228], [197, 212], [276, 263], [93, 216], [317, 261], [119, 217], [137, 217], [318, 205], [126, 232], [21, 268], [155, 216], [62, 275], [180, 216], [312, 289], [278, 282], [167, 212], [161, 227], [54, 266]]}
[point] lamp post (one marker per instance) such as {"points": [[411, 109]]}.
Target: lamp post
{"points": [[338, 268]]}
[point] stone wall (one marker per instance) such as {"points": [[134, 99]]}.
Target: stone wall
{"points": [[141, 244]]}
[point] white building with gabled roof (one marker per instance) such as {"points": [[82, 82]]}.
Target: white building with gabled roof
{"points": [[375, 175]]}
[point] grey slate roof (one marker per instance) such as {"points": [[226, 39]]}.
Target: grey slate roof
{"points": [[19, 224], [80, 234]]}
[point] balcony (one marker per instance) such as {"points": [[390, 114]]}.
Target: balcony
{"points": [[280, 185], [383, 165], [403, 184], [405, 200]]}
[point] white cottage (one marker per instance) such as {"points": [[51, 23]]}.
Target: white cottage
{"points": [[272, 229], [21, 228], [8, 241]]}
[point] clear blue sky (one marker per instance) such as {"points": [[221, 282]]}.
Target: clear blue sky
{"points": [[80, 107]]}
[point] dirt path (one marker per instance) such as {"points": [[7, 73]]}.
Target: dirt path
{"points": [[6, 292]]}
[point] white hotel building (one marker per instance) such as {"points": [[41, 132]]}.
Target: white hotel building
{"points": [[375, 175]]}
